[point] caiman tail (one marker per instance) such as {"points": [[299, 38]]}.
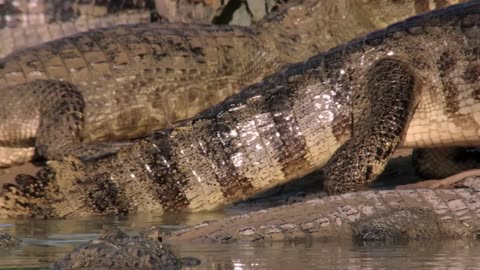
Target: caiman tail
{"points": [[26, 198]]}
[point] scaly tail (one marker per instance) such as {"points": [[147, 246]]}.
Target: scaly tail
{"points": [[42, 196], [25, 198]]}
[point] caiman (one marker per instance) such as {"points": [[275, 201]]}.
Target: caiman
{"points": [[66, 96], [116, 250], [387, 215], [25, 23], [413, 84]]}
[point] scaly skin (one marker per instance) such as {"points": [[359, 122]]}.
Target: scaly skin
{"points": [[116, 250], [177, 70], [27, 23], [15, 13], [413, 84], [368, 215], [440, 163], [7, 241]]}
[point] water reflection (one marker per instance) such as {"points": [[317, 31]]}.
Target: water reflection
{"points": [[44, 241], [337, 255]]}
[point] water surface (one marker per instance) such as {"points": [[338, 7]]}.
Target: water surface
{"points": [[44, 241]]}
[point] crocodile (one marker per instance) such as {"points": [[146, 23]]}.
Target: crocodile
{"points": [[413, 84], [177, 70], [27, 23], [116, 250], [374, 215]]}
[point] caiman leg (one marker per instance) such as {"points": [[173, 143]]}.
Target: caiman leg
{"points": [[438, 163], [60, 121], [447, 166], [389, 97]]}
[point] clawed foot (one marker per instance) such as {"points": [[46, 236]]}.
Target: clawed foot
{"points": [[449, 182]]}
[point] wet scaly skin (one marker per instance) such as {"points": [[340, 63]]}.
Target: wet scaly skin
{"points": [[176, 70], [347, 110]]}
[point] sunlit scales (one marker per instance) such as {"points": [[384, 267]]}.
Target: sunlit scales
{"points": [[148, 168], [165, 162], [237, 159], [197, 176], [237, 107]]}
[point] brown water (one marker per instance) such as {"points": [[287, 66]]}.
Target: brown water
{"points": [[46, 241]]}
